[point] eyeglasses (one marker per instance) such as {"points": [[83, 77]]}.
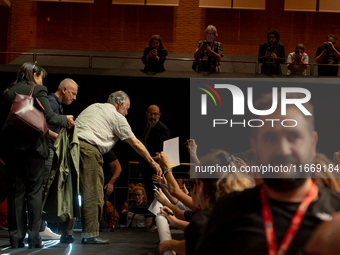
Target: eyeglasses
{"points": [[153, 113]]}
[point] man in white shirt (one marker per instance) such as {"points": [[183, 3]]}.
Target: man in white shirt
{"points": [[99, 127], [299, 60]]}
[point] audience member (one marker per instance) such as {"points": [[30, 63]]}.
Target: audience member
{"points": [[253, 221], [161, 180], [66, 93], [25, 159], [124, 206], [298, 60], [328, 54], [154, 55], [271, 54], [328, 177], [100, 126], [138, 214], [208, 53], [205, 192]]}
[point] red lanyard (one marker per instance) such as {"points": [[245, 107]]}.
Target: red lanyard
{"points": [[294, 224]]}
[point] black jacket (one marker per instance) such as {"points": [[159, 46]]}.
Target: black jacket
{"points": [[11, 138]]}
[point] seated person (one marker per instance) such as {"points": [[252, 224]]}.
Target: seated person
{"points": [[298, 60], [205, 193], [154, 55], [208, 53], [138, 214]]}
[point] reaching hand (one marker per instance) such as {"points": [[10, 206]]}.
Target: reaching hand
{"points": [[192, 147], [240, 162], [184, 189], [160, 196], [163, 160], [159, 179], [156, 167]]}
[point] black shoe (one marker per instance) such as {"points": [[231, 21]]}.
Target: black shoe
{"points": [[66, 239], [35, 245], [94, 240], [20, 245]]}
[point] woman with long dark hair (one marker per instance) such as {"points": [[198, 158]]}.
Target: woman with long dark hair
{"points": [[154, 55], [25, 158]]}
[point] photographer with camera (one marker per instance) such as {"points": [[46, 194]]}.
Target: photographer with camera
{"points": [[271, 54], [154, 55], [299, 60], [208, 53], [328, 54]]}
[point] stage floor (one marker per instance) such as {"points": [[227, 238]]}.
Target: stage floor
{"points": [[123, 241]]}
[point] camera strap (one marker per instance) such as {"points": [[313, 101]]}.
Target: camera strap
{"points": [[294, 224]]}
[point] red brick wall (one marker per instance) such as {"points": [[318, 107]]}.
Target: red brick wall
{"points": [[103, 26], [4, 11], [18, 39]]}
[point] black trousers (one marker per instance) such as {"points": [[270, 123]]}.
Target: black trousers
{"points": [[25, 173]]}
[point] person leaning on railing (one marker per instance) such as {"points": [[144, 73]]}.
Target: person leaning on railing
{"points": [[299, 60], [154, 56], [328, 54], [208, 53]]}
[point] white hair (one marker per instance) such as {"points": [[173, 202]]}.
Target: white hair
{"points": [[211, 27], [117, 97]]}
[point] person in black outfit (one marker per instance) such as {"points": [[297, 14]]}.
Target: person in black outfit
{"points": [[155, 133], [237, 224], [154, 55], [328, 54], [272, 51], [25, 159]]}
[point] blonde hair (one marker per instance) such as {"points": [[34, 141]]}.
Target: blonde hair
{"points": [[327, 178], [211, 27]]}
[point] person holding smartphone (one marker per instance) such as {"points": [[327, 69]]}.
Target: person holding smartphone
{"points": [[154, 55]]}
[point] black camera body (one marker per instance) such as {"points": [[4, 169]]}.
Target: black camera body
{"points": [[270, 49], [327, 45], [297, 52], [205, 43]]}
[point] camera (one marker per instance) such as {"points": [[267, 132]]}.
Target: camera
{"points": [[206, 43], [327, 45], [152, 48], [270, 49], [297, 52]]}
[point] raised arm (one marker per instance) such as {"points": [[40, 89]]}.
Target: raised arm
{"points": [[172, 184], [142, 151]]}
